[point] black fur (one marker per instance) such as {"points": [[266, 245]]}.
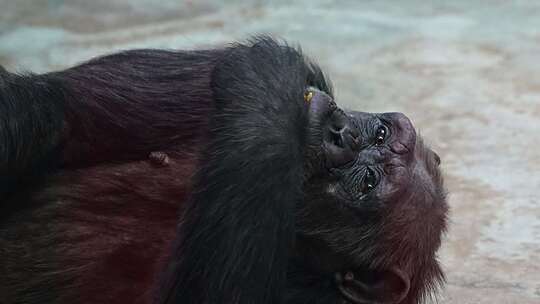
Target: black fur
{"points": [[238, 233], [127, 104], [31, 120], [244, 104]]}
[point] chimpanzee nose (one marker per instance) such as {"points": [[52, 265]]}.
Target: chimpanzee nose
{"points": [[341, 139], [342, 134]]}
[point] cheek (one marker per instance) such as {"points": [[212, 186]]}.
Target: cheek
{"points": [[320, 205], [332, 196], [323, 206]]}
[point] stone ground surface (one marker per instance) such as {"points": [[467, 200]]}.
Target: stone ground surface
{"points": [[467, 72]]}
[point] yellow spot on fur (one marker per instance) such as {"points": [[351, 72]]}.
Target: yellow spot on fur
{"points": [[308, 95]]}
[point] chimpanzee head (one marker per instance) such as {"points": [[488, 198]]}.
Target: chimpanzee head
{"points": [[374, 198]]}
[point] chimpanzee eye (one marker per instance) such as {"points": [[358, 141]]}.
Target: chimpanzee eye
{"points": [[369, 182], [380, 135]]}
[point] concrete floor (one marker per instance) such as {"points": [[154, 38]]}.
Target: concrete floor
{"points": [[468, 74]]}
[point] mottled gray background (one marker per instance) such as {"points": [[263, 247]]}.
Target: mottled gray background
{"points": [[467, 72]]}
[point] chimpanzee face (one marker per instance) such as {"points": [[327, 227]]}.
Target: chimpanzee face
{"points": [[367, 172]]}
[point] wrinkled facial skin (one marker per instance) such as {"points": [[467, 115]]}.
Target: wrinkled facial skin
{"points": [[374, 196]]}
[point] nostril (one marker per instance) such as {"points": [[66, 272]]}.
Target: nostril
{"points": [[344, 138], [336, 137]]}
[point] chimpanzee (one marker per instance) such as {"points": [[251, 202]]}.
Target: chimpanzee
{"points": [[225, 175]]}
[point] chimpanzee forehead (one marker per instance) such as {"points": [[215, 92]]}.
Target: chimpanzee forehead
{"points": [[429, 159], [420, 178], [426, 174]]}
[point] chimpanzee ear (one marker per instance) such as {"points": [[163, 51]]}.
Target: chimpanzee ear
{"points": [[387, 286]]}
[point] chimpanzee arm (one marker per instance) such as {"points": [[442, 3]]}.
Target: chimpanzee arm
{"points": [[235, 237], [125, 105], [31, 123], [118, 107]]}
